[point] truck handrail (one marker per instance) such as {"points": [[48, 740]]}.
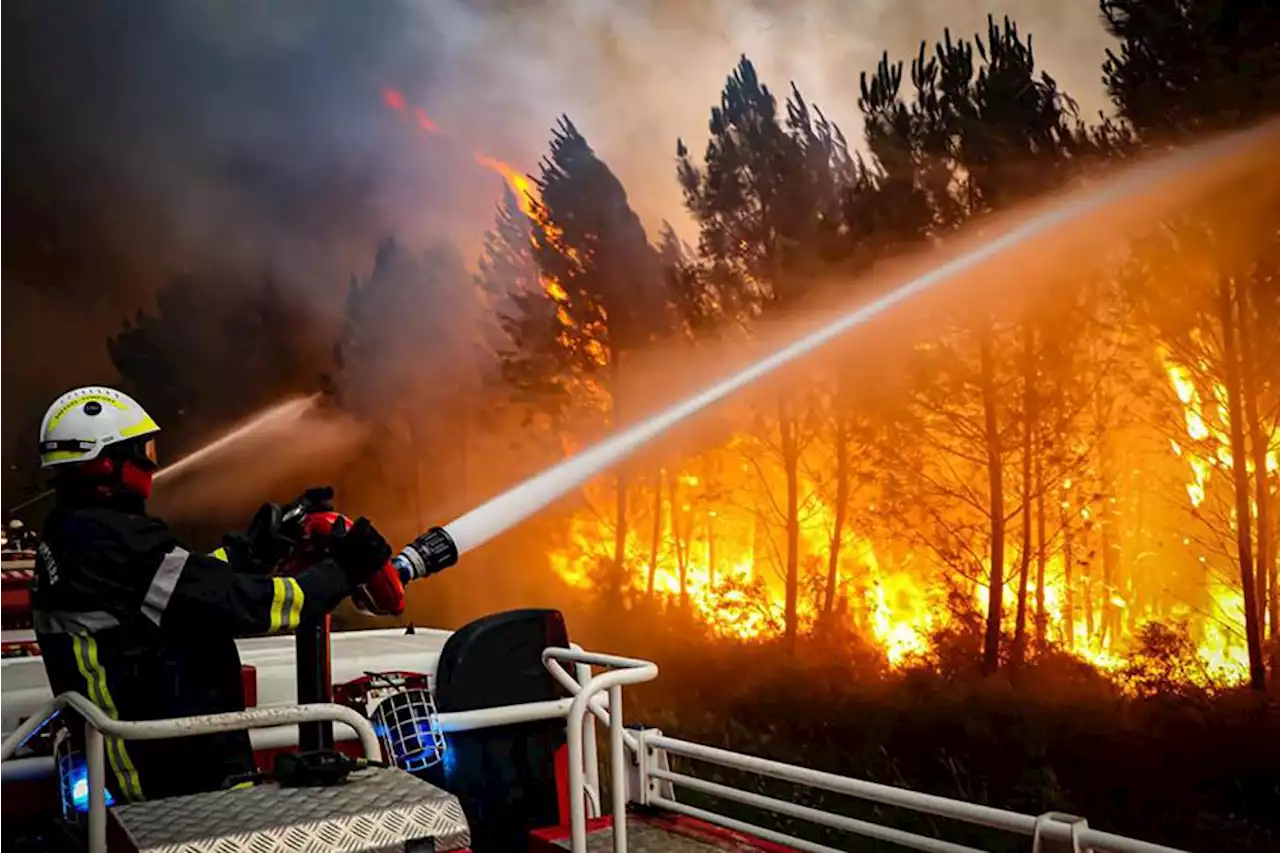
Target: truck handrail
{"points": [[621, 671], [98, 724], [1060, 828]]}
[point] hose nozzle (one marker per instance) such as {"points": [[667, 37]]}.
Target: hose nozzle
{"points": [[431, 552]]}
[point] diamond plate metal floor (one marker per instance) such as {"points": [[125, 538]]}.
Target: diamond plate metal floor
{"points": [[645, 837], [376, 809]]}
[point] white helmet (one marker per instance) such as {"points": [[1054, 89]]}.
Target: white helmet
{"points": [[82, 422]]}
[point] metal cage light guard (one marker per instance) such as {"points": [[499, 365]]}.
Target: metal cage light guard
{"points": [[405, 718], [73, 778]]}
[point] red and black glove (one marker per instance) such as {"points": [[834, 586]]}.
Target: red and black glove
{"points": [[360, 551]]}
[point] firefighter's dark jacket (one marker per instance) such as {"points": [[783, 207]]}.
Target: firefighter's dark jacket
{"points": [[146, 629]]}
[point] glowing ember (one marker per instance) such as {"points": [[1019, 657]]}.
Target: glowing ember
{"points": [[393, 99]]}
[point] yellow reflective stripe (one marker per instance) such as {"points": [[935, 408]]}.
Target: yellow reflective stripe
{"points": [[220, 554], [146, 425], [241, 785], [79, 401], [286, 605], [95, 679], [62, 455], [277, 605]]}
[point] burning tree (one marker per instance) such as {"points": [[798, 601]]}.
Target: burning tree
{"points": [[765, 200], [974, 136], [526, 324], [1207, 283], [597, 263]]}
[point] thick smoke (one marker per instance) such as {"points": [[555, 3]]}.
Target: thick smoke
{"points": [[148, 138], [634, 76]]}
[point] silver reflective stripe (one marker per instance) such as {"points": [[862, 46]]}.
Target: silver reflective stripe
{"points": [[163, 584], [286, 612], [65, 622]]}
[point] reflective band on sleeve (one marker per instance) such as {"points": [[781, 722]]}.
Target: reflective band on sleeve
{"points": [[220, 554], [62, 622], [163, 583], [286, 605]]}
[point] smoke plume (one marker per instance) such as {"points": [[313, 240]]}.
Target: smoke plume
{"points": [[148, 138]]}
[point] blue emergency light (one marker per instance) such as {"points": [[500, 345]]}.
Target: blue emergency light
{"points": [[74, 783]]}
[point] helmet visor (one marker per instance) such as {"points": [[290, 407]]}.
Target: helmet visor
{"points": [[141, 452]]}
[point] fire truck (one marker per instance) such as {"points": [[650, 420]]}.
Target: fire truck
{"points": [[501, 736]]}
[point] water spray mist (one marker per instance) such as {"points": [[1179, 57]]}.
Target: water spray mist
{"points": [[440, 547]]}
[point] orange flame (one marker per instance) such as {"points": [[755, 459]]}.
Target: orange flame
{"points": [[1208, 449], [520, 184]]}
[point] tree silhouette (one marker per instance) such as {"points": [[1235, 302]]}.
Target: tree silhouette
{"points": [[406, 363], [767, 203], [526, 331], [596, 260], [213, 351], [1187, 65], [980, 133]]}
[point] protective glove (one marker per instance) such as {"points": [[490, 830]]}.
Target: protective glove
{"points": [[264, 540], [360, 551], [276, 530]]}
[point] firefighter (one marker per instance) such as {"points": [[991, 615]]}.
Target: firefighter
{"points": [[142, 626], [18, 537]]}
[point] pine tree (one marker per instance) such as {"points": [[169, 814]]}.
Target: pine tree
{"points": [[767, 203], [1188, 65], [594, 257], [980, 133], [525, 331], [403, 359]]}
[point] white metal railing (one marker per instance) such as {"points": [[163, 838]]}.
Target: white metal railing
{"points": [[1053, 826], [593, 697], [97, 725], [621, 671]]}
